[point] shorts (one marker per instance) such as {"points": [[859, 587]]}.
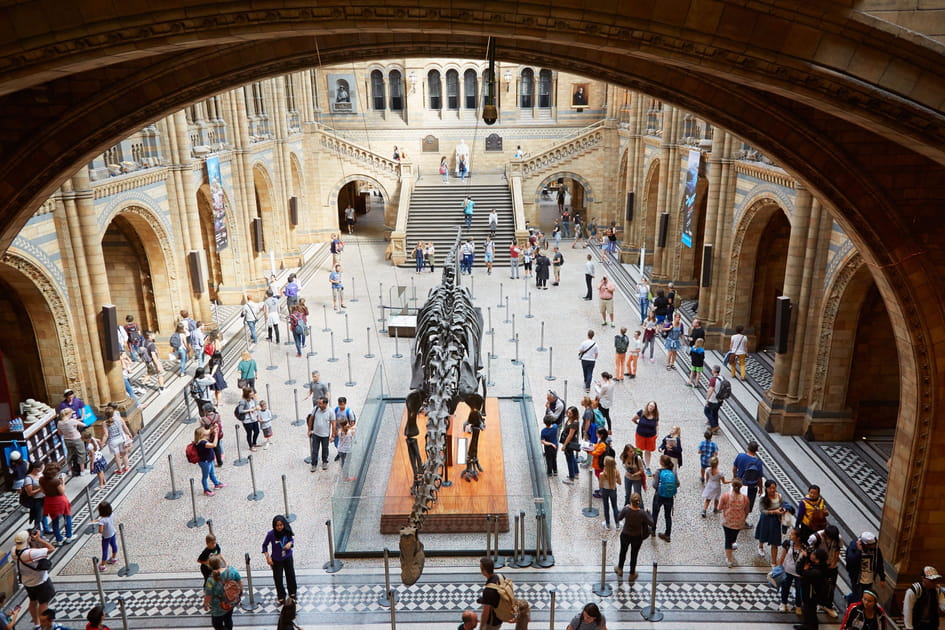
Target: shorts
{"points": [[645, 443], [489, 257], [349, 221], [267, 431], [528, 266], [697, 370], [153, 368], [607, 306], [337, 292], [43, 593], [117, 447]]}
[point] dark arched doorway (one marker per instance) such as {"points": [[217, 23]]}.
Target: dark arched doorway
{"points": [[129, 274], [769, 279]]}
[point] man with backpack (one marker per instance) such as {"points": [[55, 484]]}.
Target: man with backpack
{"points": [[134, 336], [222, 592], [498, 597], [31, 555], [554, 406], [719, 391], [749, 468], [152, 359], [665, 487], [200, 390]]}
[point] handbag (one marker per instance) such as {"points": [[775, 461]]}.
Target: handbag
{"points": [[242, 383], [776, 576]]}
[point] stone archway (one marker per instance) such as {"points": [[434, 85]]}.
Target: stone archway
{"points": [[295, 191], [215, 275], [45, 363], [263, 191], [650, 206]]}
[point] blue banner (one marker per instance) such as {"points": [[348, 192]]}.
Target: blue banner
{"points": [[217, 203], [689, 196]]}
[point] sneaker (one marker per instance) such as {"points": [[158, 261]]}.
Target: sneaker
{"points": [[761, 552], [652, 361], [266, 446], [209, 493], [325, 466], [734, 546], [219, 485], [605, 524], [784, 608], [69, 539], [603, 323], [831, 612], [703, 513], [57, 543], [314, 468], [103, 568], [568, 481], [112, 561], [729, 564], [613, 325], [798, 611]]}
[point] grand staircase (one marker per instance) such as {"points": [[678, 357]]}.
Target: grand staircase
{"points": [[436, 212]]}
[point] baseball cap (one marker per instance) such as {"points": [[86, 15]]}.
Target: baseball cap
{"points": [[68, 392], [21, 539], [868, 538], [931, 573]]}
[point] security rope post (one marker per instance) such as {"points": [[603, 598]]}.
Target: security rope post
{"points": [[347, 338], [269, 398], [489, 330], [130, 568], [413, 290], [527, 292], [210, 527], [380, 298], [299, 421], [272, 364], [174, 494], [551, 356], [497, 560], [492, 354], [255, 495], [311, 348], [252, 604], [351, 382], [541, 340], [332, 358], [383, 328], [91, 528], [325, 318], [188, 415], [652, 613], [397, 354], [354, 293], [512, 338], [501, 288], [489, 381], [524, 559], [529, 315], [288, 367], [590, 511], [488, 535], [240, 460], [564, 398], [603, 589], [144, 466], [507, 320], [333, 565], [289, 516], [107, 606], [551, 608], [516, 361], [472, 287], [368, 354], [123, 612], [385, 599], [513, 560], [196, 521]]}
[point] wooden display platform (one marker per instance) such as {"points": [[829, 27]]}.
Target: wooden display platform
{"points": [[462, 507]]}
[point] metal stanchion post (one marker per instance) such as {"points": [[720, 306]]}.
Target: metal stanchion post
{"points": [[91, 528], [603, 589], [385, 599], [354, 293], [272, 364], [288, 367], [488, 535], [174, 494], [515, 361], [368, 354], [196, 521], [489, 381], [311, 348], [507, 320], [130, 568], [332, 358], [325, 318], [210, 526], [513, 559], [413, 290], [383, 328], [541, 339], [472, 287], [489, 330], [651, 612], [497, 560], [107, 606], [240, 460], [590, 511], [124, 614], [252, 604], [347, 338], [333, 565], [255, 495], [564, 398], [144, 466], [500, 304], [551, 355], [529, 315], [524, 559], [527, 292], [380, 298], [392, 598], [397, 354], [289, 516], [189, 417], [551, 608], [269, 398], [351, 382], [299, 421], [492, 353], [512, 338]]}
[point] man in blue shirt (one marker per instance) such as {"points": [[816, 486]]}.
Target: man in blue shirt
{"points": [[749, 468]]}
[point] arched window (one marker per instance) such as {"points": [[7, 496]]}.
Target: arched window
{"points": [[470, 88], [378, 100], [434, 88], [526, 89], [544, 88], [395, 78], [452, 89]]}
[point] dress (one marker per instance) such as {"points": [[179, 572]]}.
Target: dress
{"points": [[713, 486], [672, 339], [768, 529]]}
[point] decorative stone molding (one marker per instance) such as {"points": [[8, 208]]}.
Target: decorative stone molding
{"points": [[567, 150], [359, 155], [775, 192], [741, 230], [333, 197], [42, 261], [588, 189], [125, 183], [61, 315], [765, 171]]}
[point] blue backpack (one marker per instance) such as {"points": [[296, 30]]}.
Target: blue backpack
{"points": [[669, 484]]}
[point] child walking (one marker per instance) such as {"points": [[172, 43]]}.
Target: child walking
{"points": [[707, 450], [265, 422], [345, 443], [697, 360], [106, 527], [212, 549], [672, 445], [96, 455], [713, 487], [549, 441]]}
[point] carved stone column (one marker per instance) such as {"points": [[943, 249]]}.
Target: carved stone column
{"points": [[243, 178], [633, 237], [707, 293], [669, 176]]}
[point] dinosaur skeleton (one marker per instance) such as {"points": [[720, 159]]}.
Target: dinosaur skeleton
{"points": [[446, 371]]}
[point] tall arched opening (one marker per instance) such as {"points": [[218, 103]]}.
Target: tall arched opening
{"points": [[208, 237], [129, 277]]}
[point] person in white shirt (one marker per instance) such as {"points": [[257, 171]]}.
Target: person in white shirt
{"points": [[493, 222], [738, 350], [30, 548], [587, 353], [643, 294], [604, 391], [589, 278], [250, 315]]}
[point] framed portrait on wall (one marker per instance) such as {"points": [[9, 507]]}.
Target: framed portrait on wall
{"points": [[342, 93], [579, 95]]}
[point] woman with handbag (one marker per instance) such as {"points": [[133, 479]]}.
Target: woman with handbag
{"points": [[56, 504], [118, 438], [637, 525], [768, 529], [571, 443], [211, 421], [249, 416], [215, 368], [247, 372]]}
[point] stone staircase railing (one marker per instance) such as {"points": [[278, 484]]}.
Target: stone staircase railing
{"points": [[348, 150], [513, 173], [585, 140], [398, 238]]}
